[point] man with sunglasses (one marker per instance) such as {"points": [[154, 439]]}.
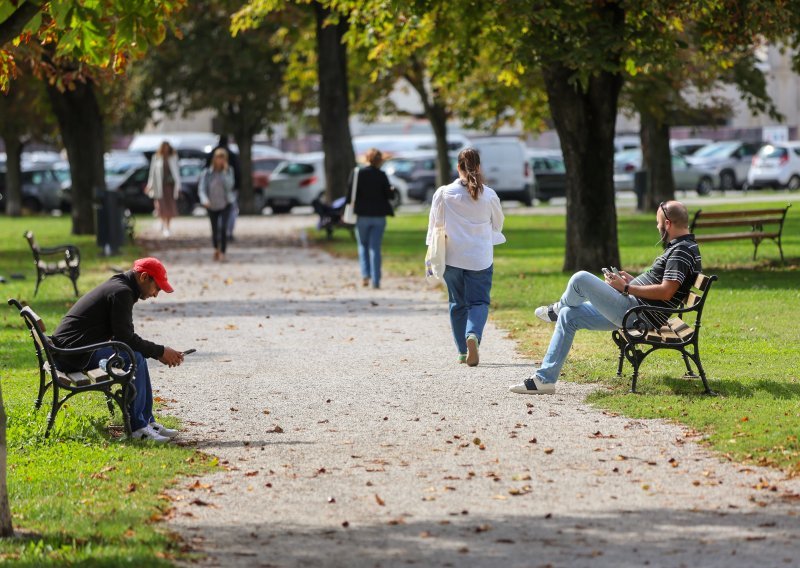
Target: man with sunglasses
{"points": [[106, 313], [599, 305]]}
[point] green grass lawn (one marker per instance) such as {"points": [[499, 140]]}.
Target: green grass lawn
{"points": [[79, 496], [749, 342]]}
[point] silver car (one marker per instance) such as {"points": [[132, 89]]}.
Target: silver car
{"points": [[687, 177], [726, 162]]}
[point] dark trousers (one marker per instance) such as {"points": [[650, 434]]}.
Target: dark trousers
{"points": [[141, 410], [219, 228]]}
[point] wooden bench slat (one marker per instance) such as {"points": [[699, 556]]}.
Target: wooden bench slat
{"points": [[691, 300], [701, 283], [79, 378], [737, 222], [740, 213], [736, 236]]}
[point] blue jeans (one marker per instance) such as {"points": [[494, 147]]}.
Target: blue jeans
{"points": [[369, 233], [469, 293], [141, 410], [587, 303]]}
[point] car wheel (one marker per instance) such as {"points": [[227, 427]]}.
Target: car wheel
{"points": [[397, 200], [526, 199], [544, 199], [281, 209], [31, 204], [704, 186], [727, 181], [794, 183]]}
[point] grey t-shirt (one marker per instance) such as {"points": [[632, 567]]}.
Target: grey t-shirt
{"points": [[217, 199]]}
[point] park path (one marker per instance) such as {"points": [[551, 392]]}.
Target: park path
{"points": [[349, 436]]}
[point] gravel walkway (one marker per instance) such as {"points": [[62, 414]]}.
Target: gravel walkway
{"points": [[349, 436]]}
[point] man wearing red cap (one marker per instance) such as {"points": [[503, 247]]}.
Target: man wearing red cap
{"points": [[106, 313]]}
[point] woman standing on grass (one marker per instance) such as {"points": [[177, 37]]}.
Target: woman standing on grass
{"points": [[215, 190], [372, 205], [473, 223], [164, 185]]}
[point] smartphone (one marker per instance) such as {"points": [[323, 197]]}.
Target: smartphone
{"points": [[189, 351], [605, 270], [614, 270]]}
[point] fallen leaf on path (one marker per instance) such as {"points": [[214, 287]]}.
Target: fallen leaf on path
{"points": [[379, 501], [275, 430]]}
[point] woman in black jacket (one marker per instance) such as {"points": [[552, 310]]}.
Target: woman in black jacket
{"points": [[372, 204]]}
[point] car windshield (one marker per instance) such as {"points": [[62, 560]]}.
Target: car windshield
{"points": [[191, 170], [716, 150], [633, 155]]}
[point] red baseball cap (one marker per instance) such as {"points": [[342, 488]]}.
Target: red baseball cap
{"points": [[156, 270]]}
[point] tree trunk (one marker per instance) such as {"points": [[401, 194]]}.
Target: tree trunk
{"points": [[656, 161], [81, 126], [6, 527], [436, 113], [13, 197], [334, 106], [585, 121]]}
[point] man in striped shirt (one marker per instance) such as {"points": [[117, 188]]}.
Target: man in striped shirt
{"points": [[599, 305]]}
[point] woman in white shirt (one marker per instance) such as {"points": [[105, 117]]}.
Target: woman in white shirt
{"points": [[473, 223], [164, 184]]}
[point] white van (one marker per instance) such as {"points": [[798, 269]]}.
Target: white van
{"points": [[506, 168]]}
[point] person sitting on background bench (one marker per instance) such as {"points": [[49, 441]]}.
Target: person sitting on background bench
{"points": [[106, 313], [590, 303]]}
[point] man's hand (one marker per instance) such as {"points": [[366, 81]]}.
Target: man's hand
{"points": [[171, 357], [616, 282], [625, 276]]}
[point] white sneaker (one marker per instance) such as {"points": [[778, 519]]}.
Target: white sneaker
{"points": [[162, 430], [147, 433], [548, 313], [472, 350], [533, 385]]}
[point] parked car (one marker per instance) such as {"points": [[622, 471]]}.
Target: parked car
{"points": [[687, 177], [391, 144], [726, 162], [776, 165], [506, 169], [688, 146], [195, 145], [262, 169], [418, 169], [190, 170], [627, 142], [41, 190], [549, 173], [301, 179]]}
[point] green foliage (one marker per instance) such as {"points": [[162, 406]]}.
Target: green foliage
{"points": [[99, 34], [80, 496], [749, 334]]}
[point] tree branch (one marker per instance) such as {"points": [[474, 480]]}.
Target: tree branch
{"points": [[12, 26]]}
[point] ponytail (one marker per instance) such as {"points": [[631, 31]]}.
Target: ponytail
{"points": [[469, 162]]}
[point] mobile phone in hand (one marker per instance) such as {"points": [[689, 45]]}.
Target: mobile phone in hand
{"points": [[614, 270], [606, 271], [189, 351]]}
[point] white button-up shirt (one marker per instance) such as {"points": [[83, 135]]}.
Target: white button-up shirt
{"points": [[473, 227]]}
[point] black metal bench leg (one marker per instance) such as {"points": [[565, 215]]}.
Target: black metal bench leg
{"points": [[42, 388], [75, 285], [53, 412], [38, 281], [702, 372], [690, 374], [633, 357], [621, 361], [110, 403]]}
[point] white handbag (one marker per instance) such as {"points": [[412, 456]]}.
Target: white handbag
{"points": [[349, 216], [435, 258]]}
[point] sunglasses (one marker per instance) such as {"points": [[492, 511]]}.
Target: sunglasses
{"points": [[664, 210]]}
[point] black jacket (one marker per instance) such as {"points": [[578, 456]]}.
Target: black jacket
{"points": [[372, 194], [103, 314]]}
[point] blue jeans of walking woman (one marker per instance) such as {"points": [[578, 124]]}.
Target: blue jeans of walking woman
{"points": [[369, 234], [468, 292], [588, 303]]}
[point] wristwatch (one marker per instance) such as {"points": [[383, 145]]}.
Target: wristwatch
{"points": [[625, 290]]}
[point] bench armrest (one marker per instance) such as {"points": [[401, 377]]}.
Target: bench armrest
{"points": [[71, 251], [653, 309], [116, 363]]}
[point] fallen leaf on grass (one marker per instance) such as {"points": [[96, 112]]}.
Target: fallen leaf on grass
{"points": [[131, 488]]}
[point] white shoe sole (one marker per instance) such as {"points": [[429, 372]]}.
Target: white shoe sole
{"points": [[472, 351], [539, 388]]}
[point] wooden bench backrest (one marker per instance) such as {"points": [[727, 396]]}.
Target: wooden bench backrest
{"points": [[752, 217], [698, 293]]}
